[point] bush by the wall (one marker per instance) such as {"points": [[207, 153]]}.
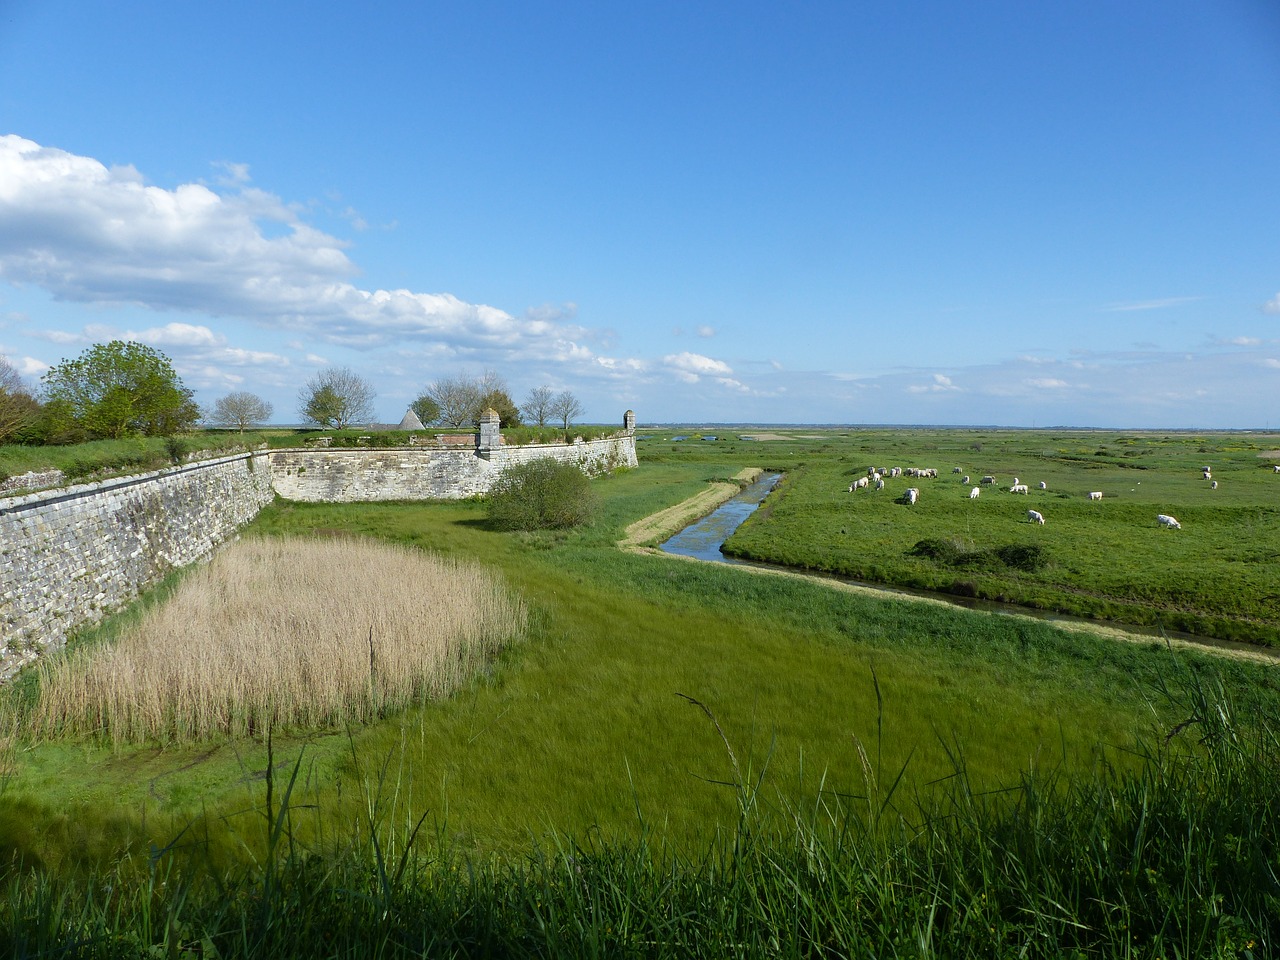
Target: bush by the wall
{"points": [[542, 494]]}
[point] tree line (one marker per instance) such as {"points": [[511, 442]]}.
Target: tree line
{"points": [[124, 388]]}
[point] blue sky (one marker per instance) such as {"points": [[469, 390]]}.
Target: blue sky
{"points": [[922, 212]]}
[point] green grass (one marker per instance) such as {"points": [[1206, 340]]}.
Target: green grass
{"points": [[1109, 560], [589, 809]]}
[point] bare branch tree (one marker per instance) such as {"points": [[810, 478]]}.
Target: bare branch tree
{"points": [[565, 407], [240, 409], [458, 399], [537, 405]]}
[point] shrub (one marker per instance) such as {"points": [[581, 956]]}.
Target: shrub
{"points": [[542, 494]]}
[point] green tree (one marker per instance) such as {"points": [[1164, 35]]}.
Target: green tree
{"points": [[18, 409], [337, 397], [426, 408], [119, 389], [542, 494], [500, 400]]}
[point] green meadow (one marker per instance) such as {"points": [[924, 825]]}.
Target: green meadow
{"points": [[682, 759]]}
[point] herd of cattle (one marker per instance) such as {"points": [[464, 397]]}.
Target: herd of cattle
{"points": [[876, 476]]}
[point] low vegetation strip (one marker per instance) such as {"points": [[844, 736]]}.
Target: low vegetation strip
{"points": [[285, 632]]}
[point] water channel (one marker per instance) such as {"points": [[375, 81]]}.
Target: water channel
{"points": [[703, 538]]}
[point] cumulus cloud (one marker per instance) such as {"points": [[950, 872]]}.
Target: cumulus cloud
{"points": [[940, 384], [1272, 305], [690, 367], [90, 233]]}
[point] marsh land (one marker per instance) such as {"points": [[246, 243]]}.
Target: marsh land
{"points": [[670, 758]]}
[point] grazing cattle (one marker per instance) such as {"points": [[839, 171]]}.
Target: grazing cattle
{"points": [[1018, 488], [1043, 485], [1035, 516], [1016, 481], [879, 484], [1096, 495], [988, 479], [1276, 469], [974, 493], [1167, 521], [965, 478], [1214, 485], [956, 470], [913, 494], [1208, 475]]}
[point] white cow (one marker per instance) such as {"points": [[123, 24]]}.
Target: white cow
{"points": [[1276, 468], [1016, 481], [1018, 488], [913, 494], [974, 493], [988, 479], [956, 470], [1034, 516], [879, 484], [1214, 485], [1167, 521], [965, 478], [1043, 485], [1096, 495]]}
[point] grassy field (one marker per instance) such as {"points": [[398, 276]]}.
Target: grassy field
{"points": [[691, 756], [1218, 576]]}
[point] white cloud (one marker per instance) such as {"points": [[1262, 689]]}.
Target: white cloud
{"points": [[1271, 362], [941, 384], [30, 366], [92, 234], [1272, 305], [706, 332], [1048, 383], [1242, 342], [689, 367]]}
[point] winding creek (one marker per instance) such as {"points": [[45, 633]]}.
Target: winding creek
{"points": [[703, 538]]}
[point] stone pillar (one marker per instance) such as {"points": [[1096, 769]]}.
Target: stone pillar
{"points": [[490, 438], [629, 422]]}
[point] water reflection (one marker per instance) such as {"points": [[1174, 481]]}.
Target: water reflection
{"points": [[703, 538]]}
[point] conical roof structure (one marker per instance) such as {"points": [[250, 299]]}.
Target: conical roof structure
{"points": [[410, 422]]}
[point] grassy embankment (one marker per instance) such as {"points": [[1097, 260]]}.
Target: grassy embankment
{"points": [[580, 733]]}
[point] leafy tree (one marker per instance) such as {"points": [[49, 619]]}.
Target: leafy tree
{"points": [[500, 401], [426, 408], [18, 409], [542, 494], [564, 407], [117, 389], [336, 397], [240, 409], [537, 405]]}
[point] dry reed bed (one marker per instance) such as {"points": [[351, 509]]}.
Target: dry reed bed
{"points": [[294, 632]]}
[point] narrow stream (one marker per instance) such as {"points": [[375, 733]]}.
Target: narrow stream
{"points": [[703, 538]]}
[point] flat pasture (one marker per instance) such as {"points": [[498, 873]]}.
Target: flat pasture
{"points": [[1218, 576]]}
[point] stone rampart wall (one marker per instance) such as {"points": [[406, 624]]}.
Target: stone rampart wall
{"points": [[69, 556], [415, 473]]}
